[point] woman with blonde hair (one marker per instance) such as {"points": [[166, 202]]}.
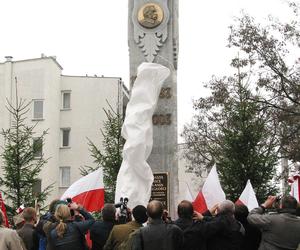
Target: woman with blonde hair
{"points": [[69, 234], [63, 215]]}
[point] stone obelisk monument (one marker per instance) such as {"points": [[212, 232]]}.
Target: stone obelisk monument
{"points": [[153, 37]]}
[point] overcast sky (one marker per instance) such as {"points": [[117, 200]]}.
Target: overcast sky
{"points": [[90, 37]]}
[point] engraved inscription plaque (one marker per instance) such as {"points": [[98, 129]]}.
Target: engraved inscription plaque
{"points": [[160, 119], [160, 189]]}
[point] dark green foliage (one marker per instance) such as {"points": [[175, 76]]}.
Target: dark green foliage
{"points": [[272, 51], [110, 156], [252, 119], [235, 133], [21, 166], [248, 148]]}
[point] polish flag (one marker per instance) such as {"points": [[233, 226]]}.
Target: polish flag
{"points": [[88, 191], [295, 187], [211, 193], [248, 197], [185, 192], [3, 209]]}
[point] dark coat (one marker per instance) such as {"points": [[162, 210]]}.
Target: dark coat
{"points": [[29, 236], [73, 239], [48, 226], [158, 235], [222, 232], [99, 233], [193, 237], [183, 223], [45, 219], [252, 236]]}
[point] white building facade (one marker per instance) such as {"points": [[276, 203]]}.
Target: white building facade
{"points": [[69, 107]]}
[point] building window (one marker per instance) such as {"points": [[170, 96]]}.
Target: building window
{"points": [[65, 137], [37, 147], [37, 187], [64, 176], [38, 108], [66, 99]]}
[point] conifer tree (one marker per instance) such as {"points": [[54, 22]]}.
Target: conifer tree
{"points": [[110, 156], [272, 50], [236, 134], [22, 157]]}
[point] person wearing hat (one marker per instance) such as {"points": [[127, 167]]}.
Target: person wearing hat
{"points": [[120, 233]]}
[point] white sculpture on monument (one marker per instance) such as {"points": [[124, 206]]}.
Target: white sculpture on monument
{"points": [[153, 37]]}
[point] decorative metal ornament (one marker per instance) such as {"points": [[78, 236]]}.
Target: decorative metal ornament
{"points": [[150, 15], [150, 21]]}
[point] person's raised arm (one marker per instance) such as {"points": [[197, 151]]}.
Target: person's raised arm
{"points": [[85, 225], [257, 217]]}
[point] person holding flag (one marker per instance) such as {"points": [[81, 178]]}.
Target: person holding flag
{"points": [[222, 231]]}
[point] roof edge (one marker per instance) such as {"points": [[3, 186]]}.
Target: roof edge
{"points": [[53, 58]]}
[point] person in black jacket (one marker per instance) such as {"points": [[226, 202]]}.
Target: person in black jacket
{"points": [[185, 213], [252, 237], [67, 234], [298, 210], [157, 235], [222, 232], [49, 216], [28, 232], [193, 235], [101, 229]]}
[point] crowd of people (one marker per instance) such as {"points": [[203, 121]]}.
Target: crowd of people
{"points": [[226, 226]]}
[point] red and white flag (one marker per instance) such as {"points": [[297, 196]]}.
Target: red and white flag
{"points": [[184, 192], [295, 187], [3, 209], [88, 191], [211, 193], [248, 197]]}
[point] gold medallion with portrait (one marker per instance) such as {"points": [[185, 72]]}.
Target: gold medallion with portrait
{"points": [[150, 15]]}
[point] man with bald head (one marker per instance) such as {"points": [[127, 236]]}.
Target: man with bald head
{"points": [[157, 234], [220, 232], [155, 209], [185, 213]]}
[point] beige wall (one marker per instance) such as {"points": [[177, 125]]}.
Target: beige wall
{"points": [[42, 79]]}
